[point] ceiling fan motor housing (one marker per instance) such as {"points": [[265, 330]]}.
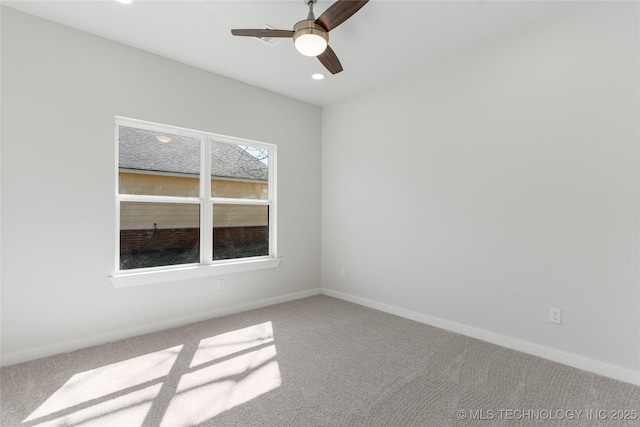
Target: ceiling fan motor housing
{"points": [[310, 38]]}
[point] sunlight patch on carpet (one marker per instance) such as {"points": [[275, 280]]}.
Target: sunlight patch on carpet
{"points": [[209, 391], [123, 382], [127, 410], [181, 385], [223, 345]]}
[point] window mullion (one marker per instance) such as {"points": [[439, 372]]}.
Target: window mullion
{"points": [[273, 239], [206, 228]]}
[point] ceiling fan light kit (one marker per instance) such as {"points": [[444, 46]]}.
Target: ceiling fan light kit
{"points": [[311, 36]]}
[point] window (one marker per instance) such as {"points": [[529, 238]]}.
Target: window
{"points": [[187, 198]]}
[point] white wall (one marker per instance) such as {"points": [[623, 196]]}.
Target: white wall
{"points": [[61, 89], [499, 183]]}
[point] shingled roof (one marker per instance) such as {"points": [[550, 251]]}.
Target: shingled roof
{"points": [[139, 149]]}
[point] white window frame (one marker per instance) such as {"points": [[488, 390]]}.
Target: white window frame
{"points": [[207, 266]]}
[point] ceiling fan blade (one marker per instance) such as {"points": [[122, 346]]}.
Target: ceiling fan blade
{"points": [[330, 60], [339, 12], [263, 33]]}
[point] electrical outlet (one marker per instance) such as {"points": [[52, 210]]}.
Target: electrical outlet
{"points": [[555, 315], [220, 285], [343, 273]]}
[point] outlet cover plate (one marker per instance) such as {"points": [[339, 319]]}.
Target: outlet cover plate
{"points": [[555, 315]]}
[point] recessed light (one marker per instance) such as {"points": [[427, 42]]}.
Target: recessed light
{"points": [[317, 76], [124, 1], [164, 139]]}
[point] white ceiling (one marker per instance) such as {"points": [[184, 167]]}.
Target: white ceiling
{"points": [[384, 41]]}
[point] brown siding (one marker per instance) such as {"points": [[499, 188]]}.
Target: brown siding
{"points": [[239, 215], [140, 215], [155, 226], [239, 189], [177, 186], [158, 185]]}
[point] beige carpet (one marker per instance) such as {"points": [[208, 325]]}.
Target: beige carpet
{"points": [[313, 362]]}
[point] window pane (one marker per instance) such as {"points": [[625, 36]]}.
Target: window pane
{"points": [[158, 163], [240, 231], [239, 171], [157, 234]]}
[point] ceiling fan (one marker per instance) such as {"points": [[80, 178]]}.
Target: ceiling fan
{"points": [[311, 36]]}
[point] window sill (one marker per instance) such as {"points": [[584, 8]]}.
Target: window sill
{"points": [[125, 280]]}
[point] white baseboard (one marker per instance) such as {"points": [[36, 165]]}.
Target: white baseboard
{"points": [[37, 353], [575, 361]]}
